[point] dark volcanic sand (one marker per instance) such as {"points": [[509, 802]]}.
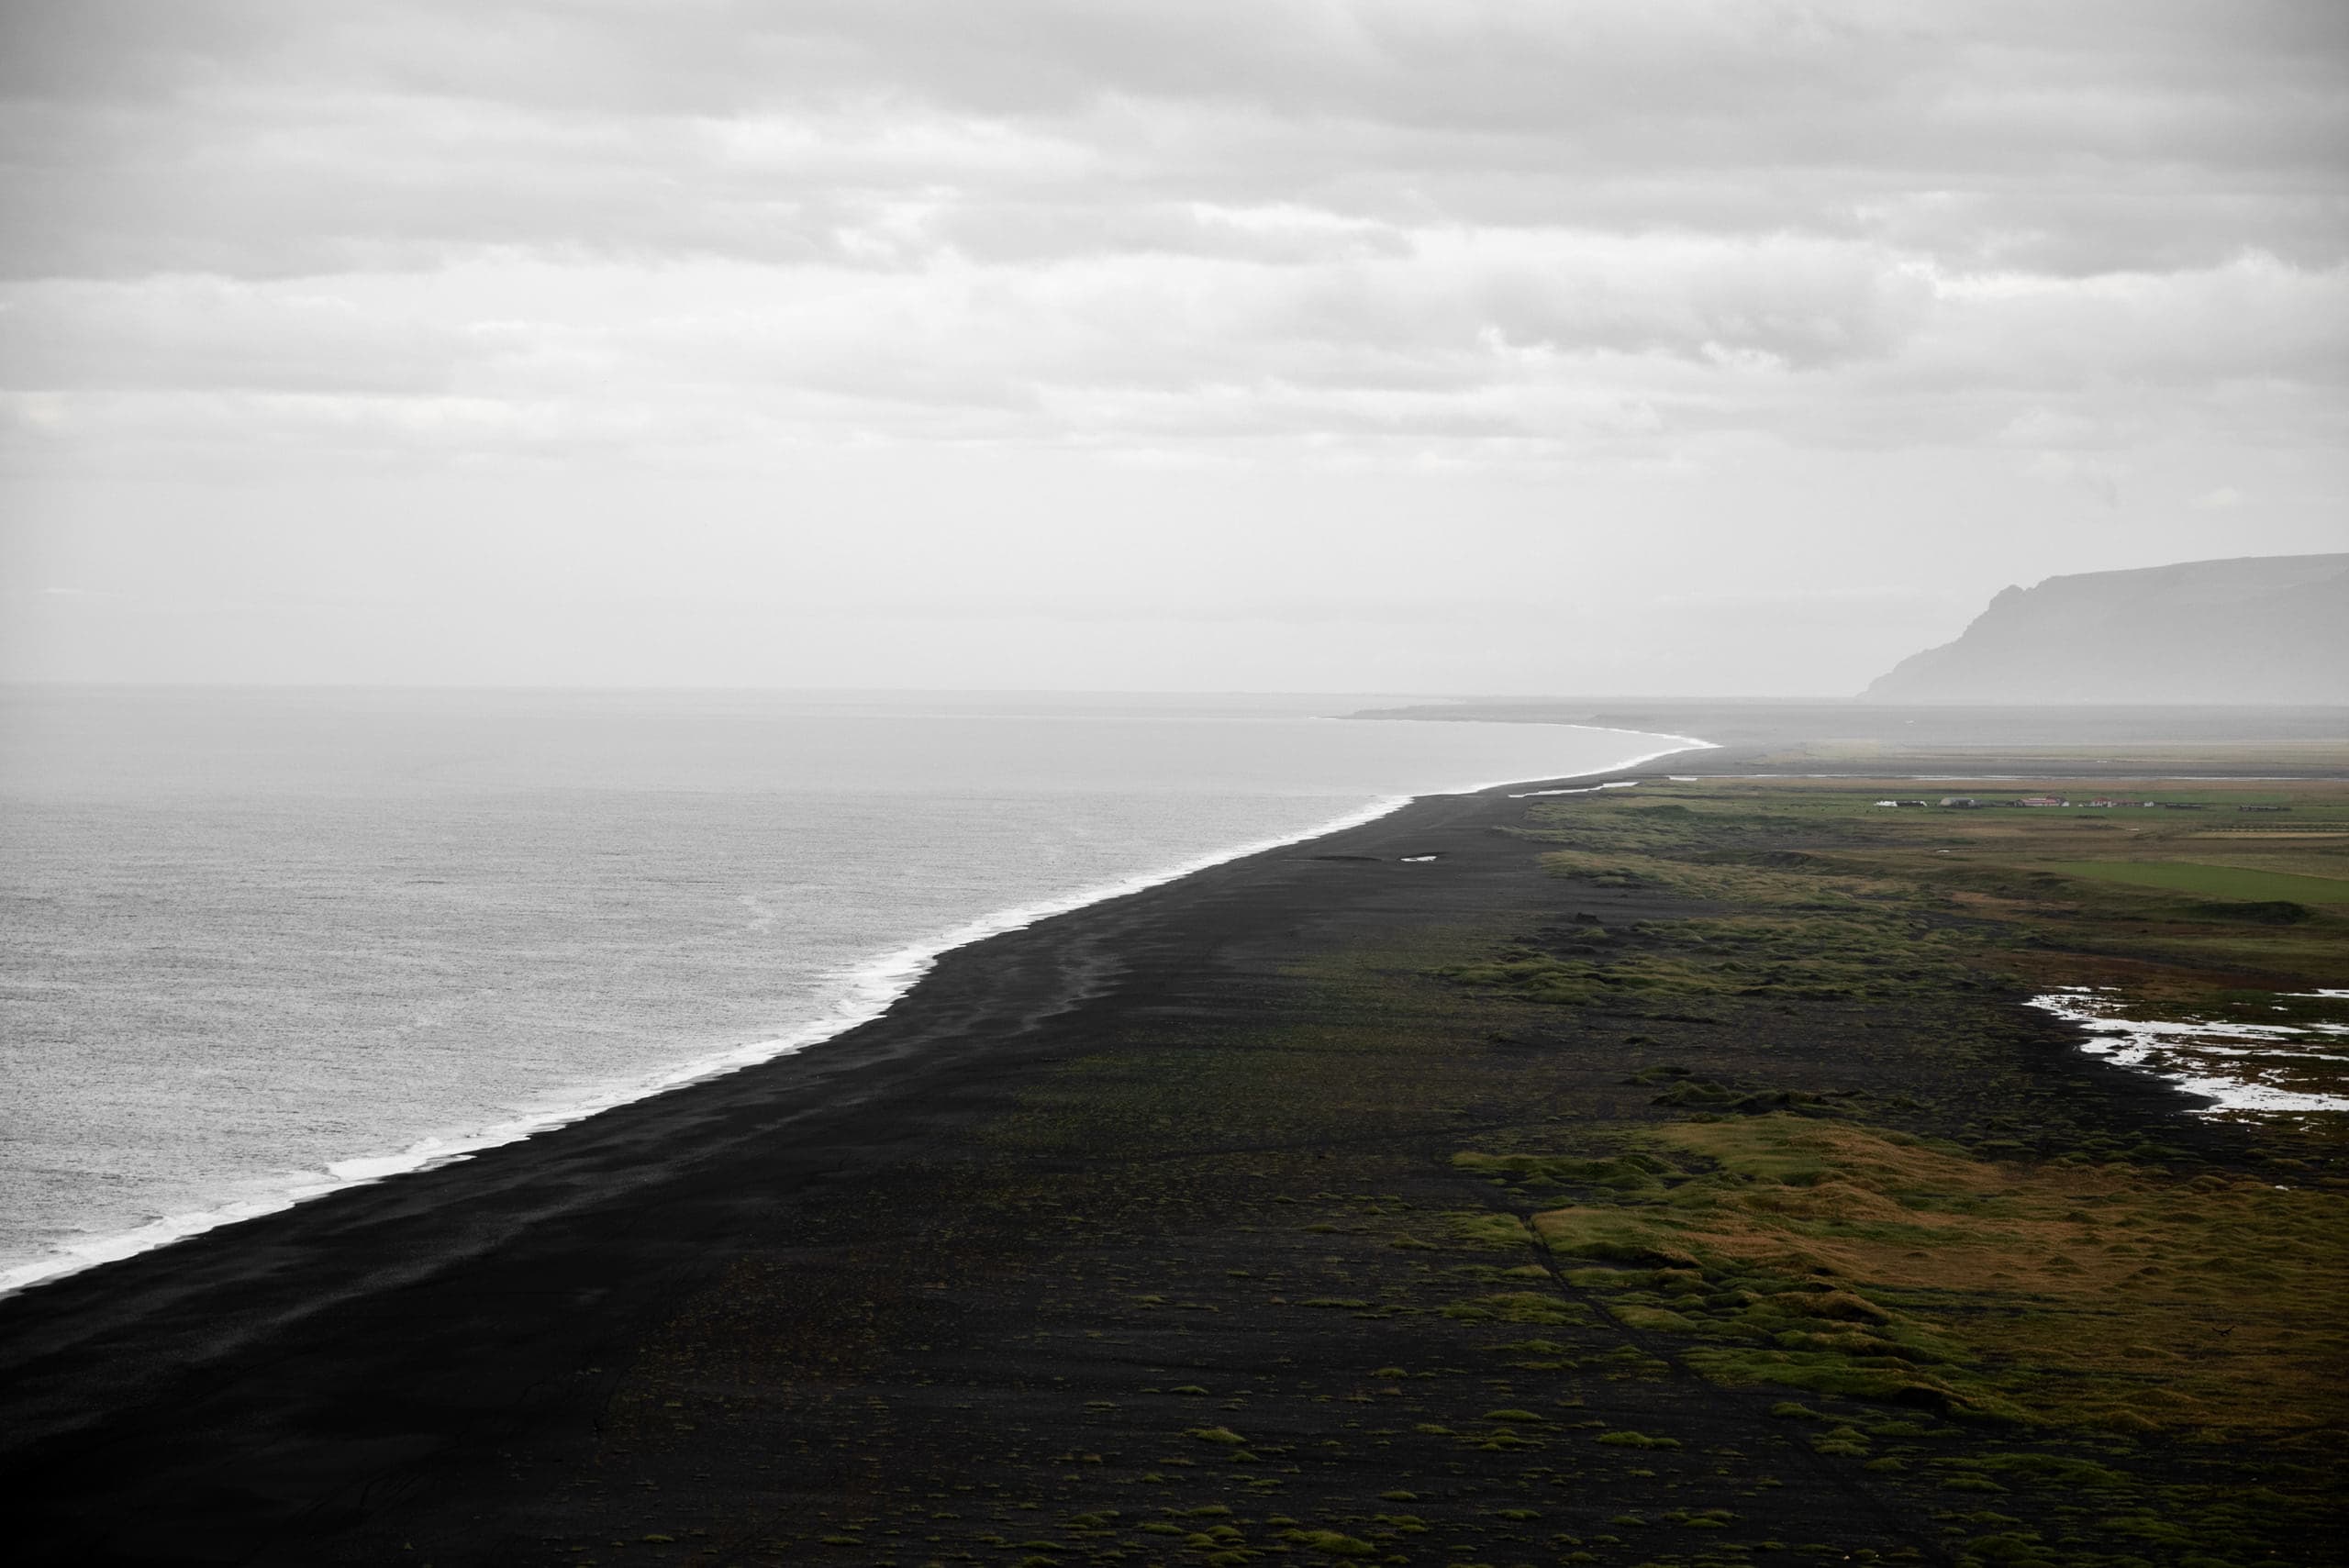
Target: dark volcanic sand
{"points": [[933, 1291]]}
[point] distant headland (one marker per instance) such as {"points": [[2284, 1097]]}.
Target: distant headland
{"points": [[2252, 630]]}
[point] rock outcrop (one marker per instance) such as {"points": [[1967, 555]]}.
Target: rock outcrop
{"points": [[2254, 630]]}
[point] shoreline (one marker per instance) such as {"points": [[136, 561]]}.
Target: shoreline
{"points": [[1197, 1205], [86, 1348], [872, 987]]}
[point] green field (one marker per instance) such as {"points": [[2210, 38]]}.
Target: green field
{"points": [[2212, 882]]}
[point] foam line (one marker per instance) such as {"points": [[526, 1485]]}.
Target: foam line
{"points": [[871, 989]]}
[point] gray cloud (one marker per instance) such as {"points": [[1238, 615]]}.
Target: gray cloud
{"points": [[1626, 284], [211, 333], [264, 138]]}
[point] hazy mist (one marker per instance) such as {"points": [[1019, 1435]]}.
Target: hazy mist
{"points": [[1411, 345]]}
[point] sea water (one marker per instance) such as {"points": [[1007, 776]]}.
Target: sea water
{"points": [[255, 945]]}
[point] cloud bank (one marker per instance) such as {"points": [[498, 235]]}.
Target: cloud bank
{"points": [[1645, 236]]}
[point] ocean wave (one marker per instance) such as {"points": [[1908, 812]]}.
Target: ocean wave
{"points": [[858, 995]]}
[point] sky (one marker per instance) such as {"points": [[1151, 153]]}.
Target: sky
{"points": [[1655, 347]]}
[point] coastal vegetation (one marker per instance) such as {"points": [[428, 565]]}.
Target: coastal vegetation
{"points": [[1814, 1253], [1832, 889], [2214, 880], [2020, 1291], [1693, 1184]]}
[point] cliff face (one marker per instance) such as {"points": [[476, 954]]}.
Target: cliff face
{"points": [[2254, 629]]}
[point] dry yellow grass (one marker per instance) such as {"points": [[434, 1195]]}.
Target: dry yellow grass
{"points": [[2075, 1295]]}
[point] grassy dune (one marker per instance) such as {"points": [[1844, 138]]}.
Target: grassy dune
{"points": [[1903, 1255], [1828, 1256]]}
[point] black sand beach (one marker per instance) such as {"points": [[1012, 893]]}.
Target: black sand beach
{"points": [[1132, 1236], [290, 1387]]}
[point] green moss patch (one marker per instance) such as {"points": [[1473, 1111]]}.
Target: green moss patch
{"points": [[1840, 1260]]}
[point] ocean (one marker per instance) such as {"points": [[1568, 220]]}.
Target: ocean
{"points": [[259, 944]]}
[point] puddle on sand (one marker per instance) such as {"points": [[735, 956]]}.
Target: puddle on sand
{"points": [[2298, 1067]]}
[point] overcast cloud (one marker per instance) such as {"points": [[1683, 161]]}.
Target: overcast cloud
{"points": [[1423, 344]]}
